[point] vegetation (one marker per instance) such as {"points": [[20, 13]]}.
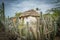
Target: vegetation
{"points": [[29, 33], [18, 14]]}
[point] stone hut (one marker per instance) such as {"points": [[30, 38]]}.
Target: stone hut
{"points": [[30, 20]]}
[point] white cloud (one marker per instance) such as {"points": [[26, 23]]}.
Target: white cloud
{"points": [[27, 5]]}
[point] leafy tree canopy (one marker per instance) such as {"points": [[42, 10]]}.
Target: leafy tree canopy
{"points": [[18, 14]]}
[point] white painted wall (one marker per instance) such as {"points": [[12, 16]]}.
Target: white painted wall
{"points": [[30, 20]]}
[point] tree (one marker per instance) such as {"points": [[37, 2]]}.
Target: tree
{"points": [[18, 14], [55, 14]]}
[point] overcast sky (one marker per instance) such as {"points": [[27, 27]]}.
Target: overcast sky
{"points": [[13, 6]]}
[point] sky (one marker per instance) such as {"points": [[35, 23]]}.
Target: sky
{"points": [[13, 6]]}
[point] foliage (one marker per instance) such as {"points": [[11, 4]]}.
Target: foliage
{"points": [[58, 22], [55, 13], [18, 14], [56, 16], [2, 27]]}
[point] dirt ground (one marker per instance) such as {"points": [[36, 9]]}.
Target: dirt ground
{"points": [[57, 38]]}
